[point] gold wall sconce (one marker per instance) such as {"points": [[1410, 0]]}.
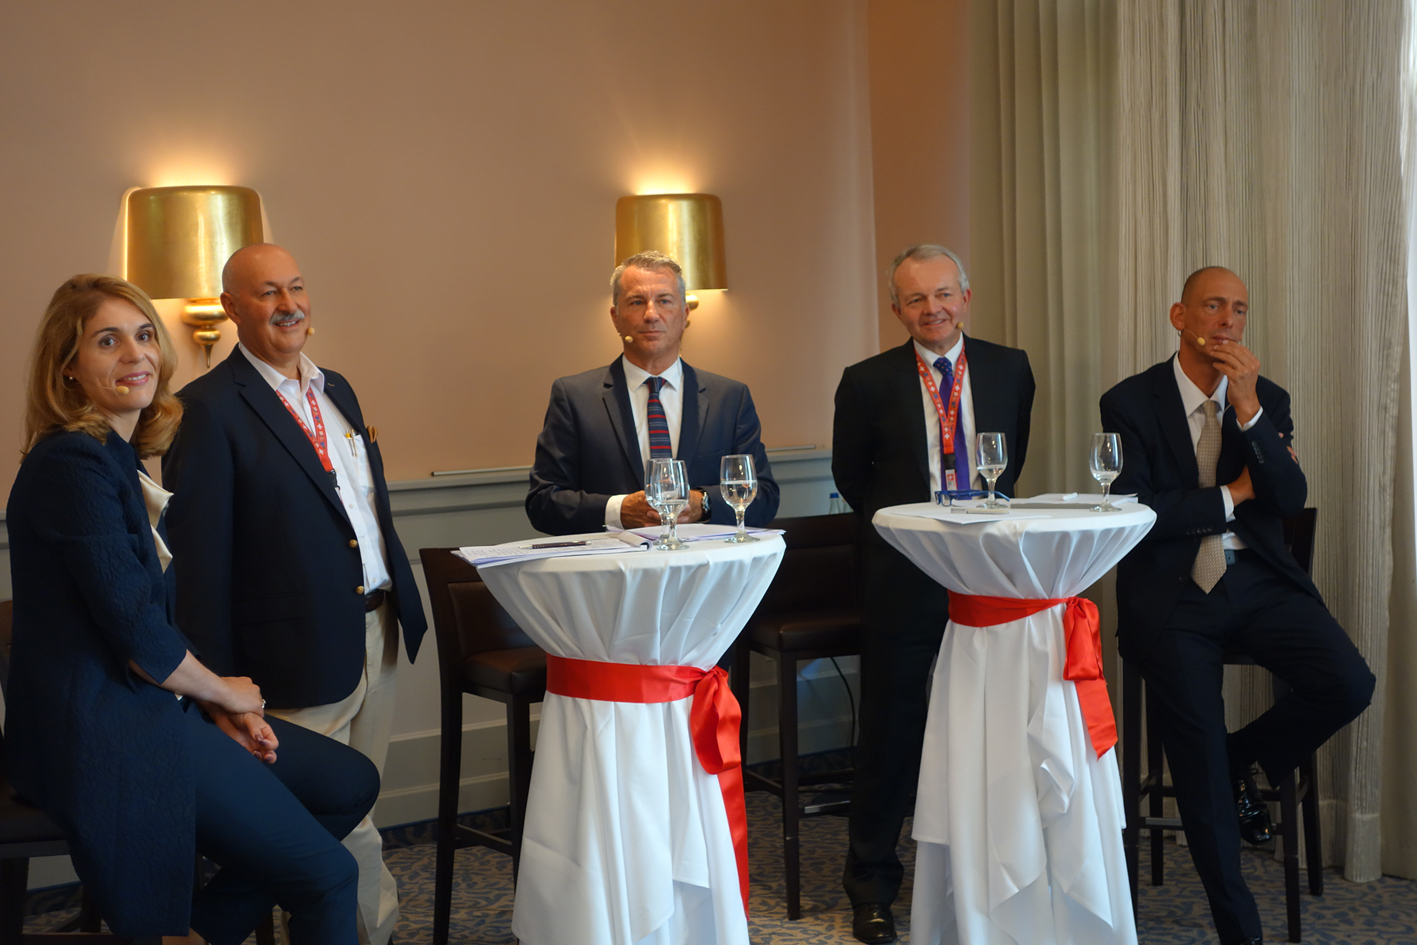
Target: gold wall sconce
{"points": [[688, 227], [177, 241]]}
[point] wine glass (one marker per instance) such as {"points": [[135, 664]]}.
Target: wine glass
{"points": [[654, 480], [668, 483], [992, 458], [1106, 464], [738, 482]]}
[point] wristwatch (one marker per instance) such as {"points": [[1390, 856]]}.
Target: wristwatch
{"points": [[704, 505]]}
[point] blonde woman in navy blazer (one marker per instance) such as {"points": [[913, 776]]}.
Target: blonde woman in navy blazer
{"points": [[115, 728]]}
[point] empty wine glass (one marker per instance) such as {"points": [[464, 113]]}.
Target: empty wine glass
{"points": [[1106, 464], [992, 458], [667, 486], [738, 482]]}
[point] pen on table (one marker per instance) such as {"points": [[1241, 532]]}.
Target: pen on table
{"points": [[560, 544]]}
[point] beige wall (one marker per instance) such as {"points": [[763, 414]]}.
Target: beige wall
{"points": [[919, 134], [446, 173]]}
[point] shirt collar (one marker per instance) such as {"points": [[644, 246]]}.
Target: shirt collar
{"points": [[635, 375], [1192, 397], [931, 357], [308, 373]]}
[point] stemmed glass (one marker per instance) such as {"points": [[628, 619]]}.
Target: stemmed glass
{"points": [[738, 481], [667, 491], [992, 458], [1106, 464]]}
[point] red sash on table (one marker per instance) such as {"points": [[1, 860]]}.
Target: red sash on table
{"points": [[713, 721], [1084, 662]]}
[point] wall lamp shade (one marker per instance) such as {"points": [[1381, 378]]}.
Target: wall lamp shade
{"points": [[179, 238], [688, 227]]}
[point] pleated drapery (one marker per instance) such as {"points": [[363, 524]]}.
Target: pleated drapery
{"points": [[1118, 147]]}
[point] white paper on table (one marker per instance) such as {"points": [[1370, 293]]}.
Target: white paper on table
{"points": [[484, 556], [694, 531], [1070, 500], [962, 515]]}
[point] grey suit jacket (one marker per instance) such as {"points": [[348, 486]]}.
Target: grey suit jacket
{"points": [[588, 449]]}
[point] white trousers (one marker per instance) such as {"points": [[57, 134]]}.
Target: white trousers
{"points": [[363, 721]]}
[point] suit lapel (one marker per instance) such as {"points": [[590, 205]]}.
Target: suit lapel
{"points": [[268, 406], [907, 382], [622, 420], [693, 416], [1171, 416]]}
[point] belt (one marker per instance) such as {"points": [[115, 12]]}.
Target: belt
{"points": [[374, 600], [1233, 555]]}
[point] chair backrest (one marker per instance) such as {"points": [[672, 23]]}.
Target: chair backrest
{"points": [[818, 571], [467, 619], [1299, 537]]}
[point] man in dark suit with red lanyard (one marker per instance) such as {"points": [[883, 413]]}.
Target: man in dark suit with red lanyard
{"points": [[1206, 443], [904, 428], [288, 567]]}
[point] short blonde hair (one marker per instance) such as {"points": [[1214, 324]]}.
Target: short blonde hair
{"points": [[52, 405]]}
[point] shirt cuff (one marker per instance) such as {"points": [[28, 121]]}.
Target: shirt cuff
{"points": [[612, 510], [1229, 502], [1253, 420]]}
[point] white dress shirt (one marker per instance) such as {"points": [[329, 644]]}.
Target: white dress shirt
{"points": [[348, 456], [671, 398], [1193, 400], [932, 417]]}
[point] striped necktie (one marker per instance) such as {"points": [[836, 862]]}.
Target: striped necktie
{"points": [[659, 444], [1209, 565]]}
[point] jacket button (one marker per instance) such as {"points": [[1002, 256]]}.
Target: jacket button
{"points": [[354, 543], [359, 589]]}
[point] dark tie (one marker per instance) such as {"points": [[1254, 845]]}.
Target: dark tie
{"points": [[961, 457], [1210, 558], [659, 445]]}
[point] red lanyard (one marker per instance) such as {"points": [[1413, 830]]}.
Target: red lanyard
{"points": [[317, 439], [948, 418]]}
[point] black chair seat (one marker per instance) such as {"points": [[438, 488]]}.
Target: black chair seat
{"points": [[833, 629], [22, 822], [519, 672]]}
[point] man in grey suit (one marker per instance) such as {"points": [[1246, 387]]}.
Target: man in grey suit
{"points": [[602, 425]]}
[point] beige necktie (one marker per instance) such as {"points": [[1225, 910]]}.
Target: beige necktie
{"points": [[1210, 559]]}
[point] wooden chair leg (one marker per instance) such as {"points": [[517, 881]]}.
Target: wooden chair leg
{"points": [[1313, 833], [14, 883], [519, 756], [1156, 797], [787, 740], [1289, 834], [449, 781], [1131, 773]]}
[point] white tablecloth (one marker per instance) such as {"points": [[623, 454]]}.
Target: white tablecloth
{"points": [[1019, 823], [627, 839]]}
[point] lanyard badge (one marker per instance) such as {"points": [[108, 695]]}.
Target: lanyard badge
{"points": [[949, 416]]}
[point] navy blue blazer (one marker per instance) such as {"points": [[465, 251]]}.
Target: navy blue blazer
{"points": [[100, 750], [1159, 465], [268, 572], [588, 449], [879, 459]]}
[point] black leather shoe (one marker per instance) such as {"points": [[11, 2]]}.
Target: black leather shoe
{"points": [[873, 923], [1253, 941], [1255, 825]]}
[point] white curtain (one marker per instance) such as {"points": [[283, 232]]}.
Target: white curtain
{"points": [[1118, 147]]}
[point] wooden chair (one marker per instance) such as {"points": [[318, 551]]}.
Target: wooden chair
{"points": [[811, 611], [1294, 792], [481, 651]]}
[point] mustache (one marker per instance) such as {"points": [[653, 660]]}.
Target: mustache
{"points": [[285, 319]]}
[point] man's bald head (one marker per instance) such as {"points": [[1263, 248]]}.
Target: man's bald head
{"points": [[1193, 281], [264, 294]]}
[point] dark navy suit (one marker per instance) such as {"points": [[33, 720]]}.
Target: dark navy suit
{"points": [[1265, 605], [588, 449], [137, 779], [267, 568], [879, 459]]}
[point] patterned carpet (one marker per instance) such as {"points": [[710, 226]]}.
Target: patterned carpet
{"points": [[1380, 913]]}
